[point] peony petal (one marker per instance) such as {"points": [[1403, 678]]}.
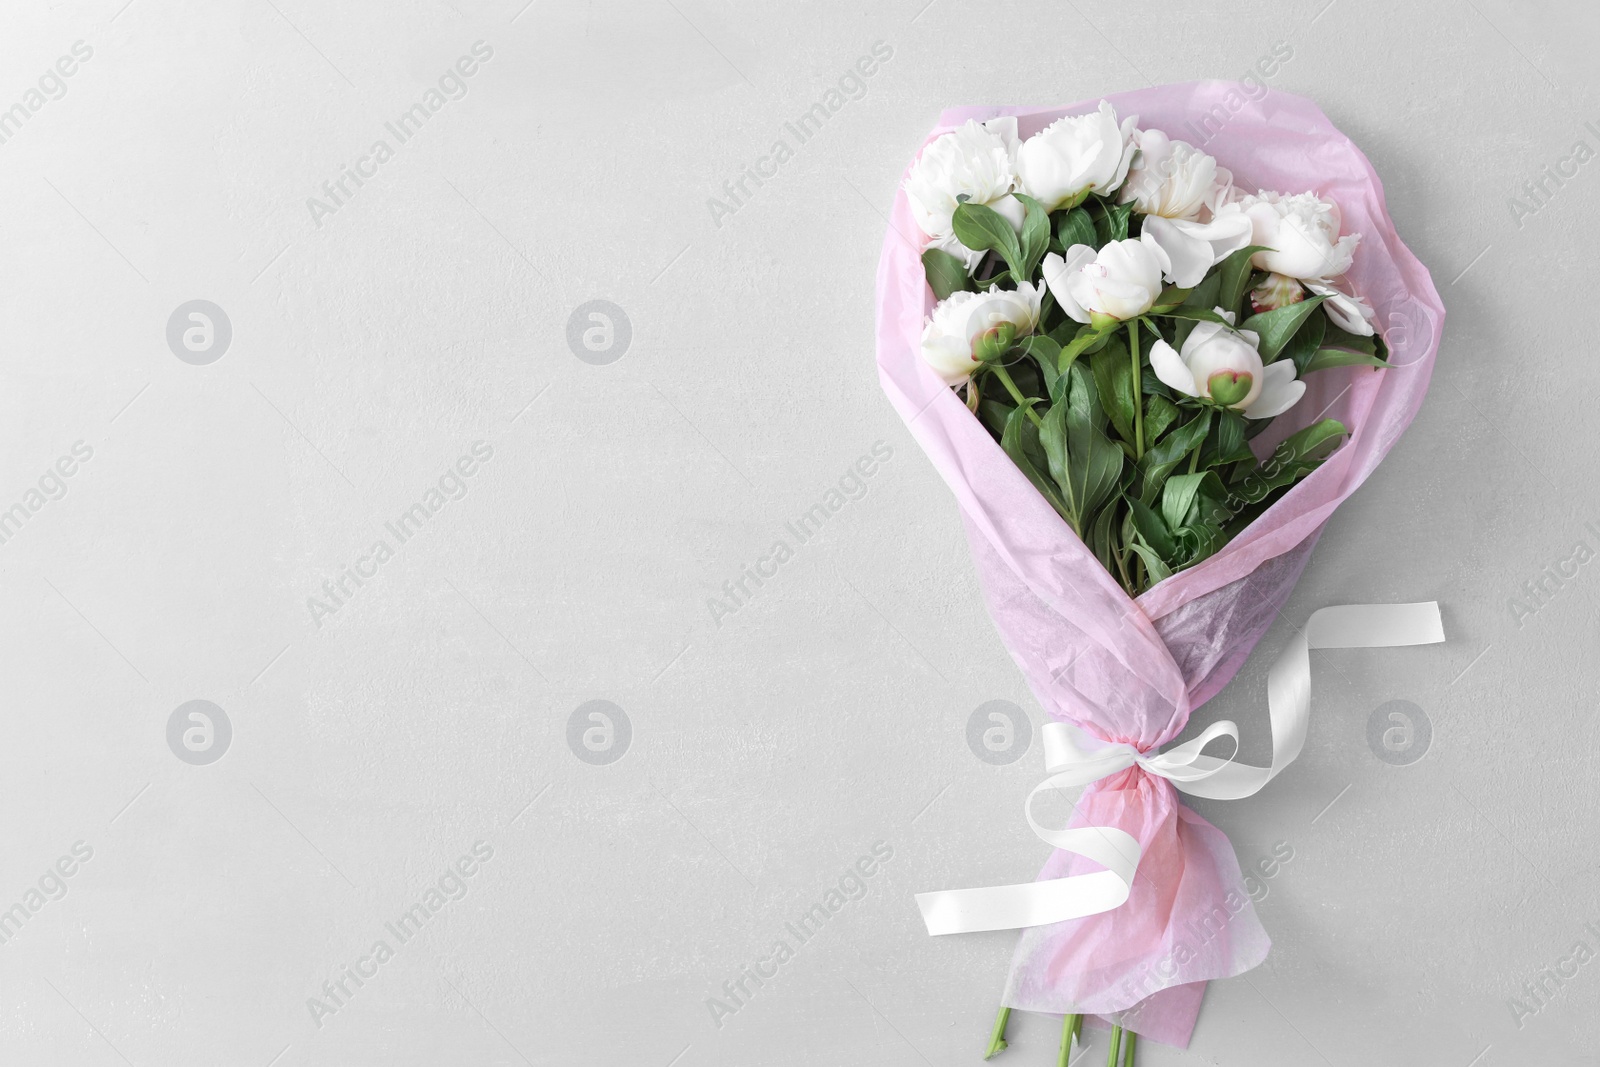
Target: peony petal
{"points": [[1280, 391], [1350, 313], [1184, 259], [1057, 270], [1011, 209], [1171, 369]]}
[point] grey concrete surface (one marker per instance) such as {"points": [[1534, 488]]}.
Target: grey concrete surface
{"points": [[600, 871]]}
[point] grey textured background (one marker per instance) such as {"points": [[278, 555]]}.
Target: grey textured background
{"points": [[371, 347]]}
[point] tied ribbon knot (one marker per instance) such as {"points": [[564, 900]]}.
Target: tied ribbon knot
{"points": [[1073, 757]]}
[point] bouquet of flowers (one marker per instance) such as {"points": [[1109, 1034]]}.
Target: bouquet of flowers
{"points": [[1150, 373]]}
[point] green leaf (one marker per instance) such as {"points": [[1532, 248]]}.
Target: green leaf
{"points": [[1170, 298], [1324, 358], [1083, 402], [1159, 461], [1338, 338], [1075, 227], [1194, 313], [1153, 529], [1205, 294], [1305, 342], [1035, 239], [1229, 440], [1118, 217], [985, 284], [946, 274], [1153, 563], [1178, 496], [1082, 460], [993, 414], [1280, 324], [1200, 540], [1233, 276], [1100, 536], [1044, 352], [1084, 339], [1020, 440], [984, 229], [1297, 456], [1113, 377], [1159, 413]]}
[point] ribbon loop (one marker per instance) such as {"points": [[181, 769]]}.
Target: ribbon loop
{"points": [[1074, 757]]}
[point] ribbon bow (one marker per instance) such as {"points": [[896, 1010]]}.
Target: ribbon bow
{"points": [[1074, 757]]}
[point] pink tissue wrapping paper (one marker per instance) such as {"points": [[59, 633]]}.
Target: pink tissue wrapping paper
{"points": [[1133, 671]]}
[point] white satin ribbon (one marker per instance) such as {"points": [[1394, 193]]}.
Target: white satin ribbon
{"points": [[1074, 758]]}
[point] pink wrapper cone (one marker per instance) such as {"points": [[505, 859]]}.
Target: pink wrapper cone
{"points": [[1133, 671]]}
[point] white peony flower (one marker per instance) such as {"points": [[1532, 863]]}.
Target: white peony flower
{"points": [[977, 161], [1172, 179], [958, 324], [1119, 282], [1274, 292], [1187, 249], [1222, 365], [1349, 312], [1301, 233], [1074, 156]]}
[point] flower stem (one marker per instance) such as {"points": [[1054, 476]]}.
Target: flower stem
{"points": [[1016, 394], [1069, 1030], [1194, 457], [1138, 392], [1114, 1060], [997, 1039], [1129, 1040]]}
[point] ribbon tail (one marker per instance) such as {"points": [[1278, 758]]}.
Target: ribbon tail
{"points": [[1289, 686], [1012, 907]]}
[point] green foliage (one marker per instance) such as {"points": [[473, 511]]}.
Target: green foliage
{"points": [[1150, 480]]}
